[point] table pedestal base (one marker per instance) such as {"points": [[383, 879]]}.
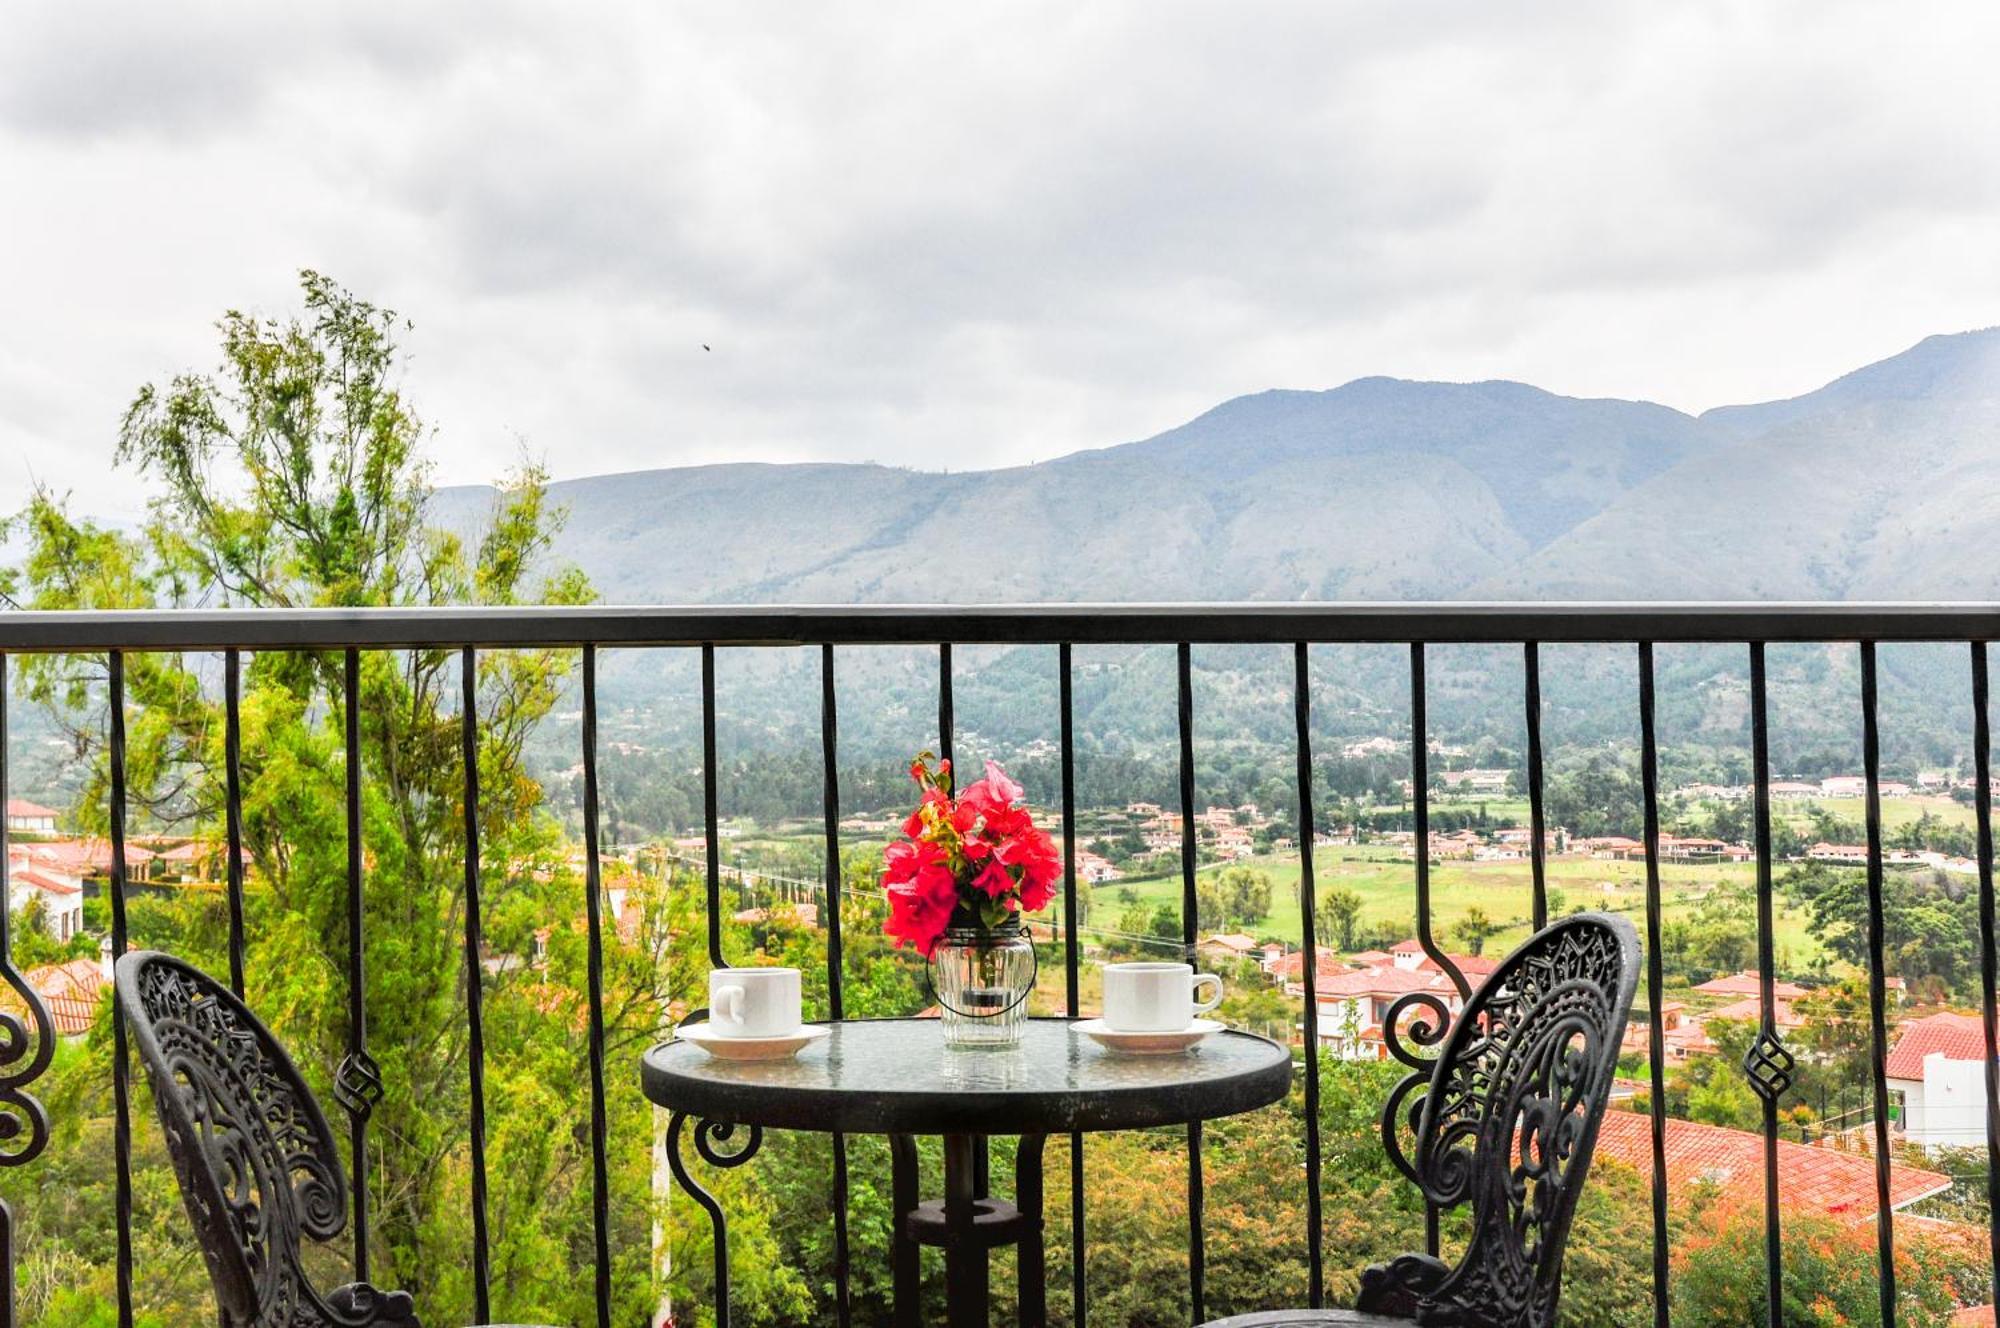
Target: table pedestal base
{"points": [[967, 1224]]}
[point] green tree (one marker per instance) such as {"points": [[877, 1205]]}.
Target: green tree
{"points": [[294, 476], [1337, 914], [1474, 929]]}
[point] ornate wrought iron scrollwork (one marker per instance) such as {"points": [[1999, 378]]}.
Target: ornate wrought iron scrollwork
{"points": [[707, 1135], [357, 1084], [256, 1160], [1404, 1110], [1507, 1121], [27, 1045], [1769, 1066]]}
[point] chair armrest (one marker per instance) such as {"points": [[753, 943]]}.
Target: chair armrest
{"points": [[1396, 1288], [366, 1305]]}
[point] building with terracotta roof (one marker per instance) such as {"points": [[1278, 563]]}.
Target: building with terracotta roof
{"points": [[30, 818], [1937, 1069], [84, 859], [71, 991], [1475, 968], [1232, 945], [1750, 1010], [1822, 1180], [60, 895], [1745, 984], [1289, 970], [1354, 1006]]}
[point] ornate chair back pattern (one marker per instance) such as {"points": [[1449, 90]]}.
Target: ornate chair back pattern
{"points": [[1507, 1122], [256, 1161]]}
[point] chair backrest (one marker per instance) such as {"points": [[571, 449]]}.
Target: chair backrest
{"points": [[1508, 1122], [255, 1158]]}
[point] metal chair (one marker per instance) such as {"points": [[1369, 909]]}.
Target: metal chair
{"points": [[1507, 1123], [255, 1159]]}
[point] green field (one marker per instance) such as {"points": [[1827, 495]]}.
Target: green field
{"points": [[1387, 886]]}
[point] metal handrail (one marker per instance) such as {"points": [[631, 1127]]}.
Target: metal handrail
{"points": [[1439, 622]]}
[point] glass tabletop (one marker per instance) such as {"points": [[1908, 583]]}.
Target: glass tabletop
{"points": [[896, 1076]]}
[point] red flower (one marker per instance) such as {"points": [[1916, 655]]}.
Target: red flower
{"points": [[906, 857], [975, 852], [914, 918], [994, 882]]}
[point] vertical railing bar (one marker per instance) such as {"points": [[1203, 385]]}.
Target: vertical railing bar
{"points": [[1420, 819], [1989, 953], [829, 748], [709, 779], [1072, 965], [1760, 756], [945, 709], [121, 1070], [600, 1179], [1190, 906], [1871, 765], [232, 776], [1656, 1063], [358, 1064], [1420, 826], [982, 1162], [475, 981], [1309, 942], [1531, 668]]}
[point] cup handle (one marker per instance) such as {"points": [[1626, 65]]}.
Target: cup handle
{"points": [[728, 1004], [1204, 1006]]}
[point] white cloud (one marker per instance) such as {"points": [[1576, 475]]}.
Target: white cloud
{"points": [[982, 233]]}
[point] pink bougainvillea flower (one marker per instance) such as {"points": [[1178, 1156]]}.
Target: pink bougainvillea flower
{"points": [[915, 920], [903, 859], [995, 882]]}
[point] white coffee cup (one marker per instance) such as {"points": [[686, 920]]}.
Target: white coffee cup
{"points": [[753, 1002], [1156, 998]]}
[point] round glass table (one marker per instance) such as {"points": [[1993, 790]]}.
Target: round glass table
{"points": [[896, 1077]]}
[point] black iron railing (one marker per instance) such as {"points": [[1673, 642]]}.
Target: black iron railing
{"points": [[25, 1047]]}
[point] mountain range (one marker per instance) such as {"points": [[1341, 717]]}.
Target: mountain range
{"points": [[1883, 484]]}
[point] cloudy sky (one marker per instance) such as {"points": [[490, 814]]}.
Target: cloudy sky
{"points": [[978, 234]]}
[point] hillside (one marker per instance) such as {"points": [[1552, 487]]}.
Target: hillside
{"points": [[1883, 484], [1871, 487]]}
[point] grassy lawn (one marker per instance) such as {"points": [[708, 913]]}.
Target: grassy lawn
{"points": [[1895, 811], [1387, 886]]}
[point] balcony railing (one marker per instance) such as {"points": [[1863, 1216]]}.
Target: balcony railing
{"points": [[359, 1082]]}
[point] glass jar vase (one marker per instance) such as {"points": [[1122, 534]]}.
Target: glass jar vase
{"points": [[981, 978]]}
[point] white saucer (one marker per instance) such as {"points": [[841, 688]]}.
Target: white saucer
{"points": [[1146, 1044], [753, 1048]]}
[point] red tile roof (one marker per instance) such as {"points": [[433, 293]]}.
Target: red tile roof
{"points": [[1380, 982], [43, 881], [22, 807], [1751, 1010], [1824, 1180], [1745, 984], [78, 977], [79, 856], [1473, 966], [1961, 1037]]}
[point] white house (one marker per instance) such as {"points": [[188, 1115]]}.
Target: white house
{"points": [[1353, 1007], [60, 893], [30, 818], [1937, 1068]]}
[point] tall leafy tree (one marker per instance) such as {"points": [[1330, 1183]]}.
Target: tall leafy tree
{"points": [[294, 475]]}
